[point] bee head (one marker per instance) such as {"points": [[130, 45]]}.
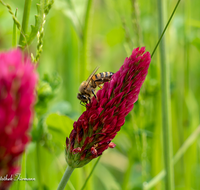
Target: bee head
{"points": [[82, 97]]}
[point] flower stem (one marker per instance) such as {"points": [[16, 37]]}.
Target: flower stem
{"points": [[14, 37], [65, 178], [165, 28], [166, 109], [26, 14], [90, 173]]}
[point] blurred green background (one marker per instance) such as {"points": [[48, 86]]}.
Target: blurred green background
{"points": [[80, 35]]}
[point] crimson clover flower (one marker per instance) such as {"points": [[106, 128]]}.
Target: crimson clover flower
{"points": [[104, 116], [17, 87]]}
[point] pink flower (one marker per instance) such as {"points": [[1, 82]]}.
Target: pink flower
{"points": [[17, 95], [104, 116]]}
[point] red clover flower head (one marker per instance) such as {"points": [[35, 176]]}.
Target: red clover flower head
{"points": [[17, 94], [104, 116]]}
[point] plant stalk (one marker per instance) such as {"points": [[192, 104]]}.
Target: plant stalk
{"points": [[14, 37], [135, 20], [39, 176], [86, 40], [25, 21], [65, 178], [166, 109]]}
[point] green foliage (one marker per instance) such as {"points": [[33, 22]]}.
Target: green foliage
{"points": [[48, 7], [35, 28], [110, 37], [13, 15], [60, 124], [46, 91]]}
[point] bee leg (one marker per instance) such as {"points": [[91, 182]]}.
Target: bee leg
{"points": [[89, 99], [82, 104], [94, 94]]}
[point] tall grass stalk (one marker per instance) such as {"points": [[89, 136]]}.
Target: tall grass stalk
{"points": [[38, 169], [186, 47], [166, 119], [78, 26], [23, 171], [135, 20], [86, 40], [25, 21]]}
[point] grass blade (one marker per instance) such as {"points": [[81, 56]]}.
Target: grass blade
{"points": [[165, 28], [84, 185]]}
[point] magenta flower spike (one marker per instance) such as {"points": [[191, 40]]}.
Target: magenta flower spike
{"points": [[17, 95], [97, 126]]}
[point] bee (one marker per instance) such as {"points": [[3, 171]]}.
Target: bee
{"points": [[87, 88]]}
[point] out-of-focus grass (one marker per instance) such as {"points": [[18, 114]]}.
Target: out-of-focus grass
{"points": [[138, 156]]}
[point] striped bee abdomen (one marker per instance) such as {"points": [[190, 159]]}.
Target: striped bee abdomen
{"points": [[101, 78]]}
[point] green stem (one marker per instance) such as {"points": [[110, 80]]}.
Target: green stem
{"points": [[38, 166], [65, 178], [191, 139], [84, 185], [166, 110], [25, 21], [77, 27], [19, 184], [165, 28], [187, 120], [135, 21], [14, 37], [23, 172], [86, 42]]}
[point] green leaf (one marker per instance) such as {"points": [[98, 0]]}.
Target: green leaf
{"points": [[62, 107], [59, 127], [59, 123]]}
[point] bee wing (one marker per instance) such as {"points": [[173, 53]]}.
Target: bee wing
{"points": [[92, 74]]}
